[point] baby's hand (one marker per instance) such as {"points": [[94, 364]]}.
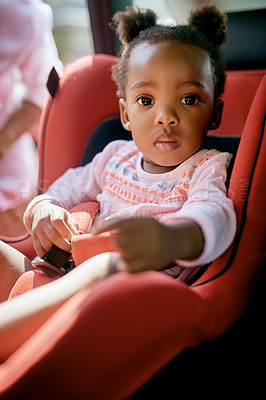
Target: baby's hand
{"points": [[51, 224], [143, 243]]}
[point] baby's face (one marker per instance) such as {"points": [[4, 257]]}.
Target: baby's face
{"points": [[169, 102]]}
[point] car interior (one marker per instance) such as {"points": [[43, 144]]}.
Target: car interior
{"points": [[218, 351]]}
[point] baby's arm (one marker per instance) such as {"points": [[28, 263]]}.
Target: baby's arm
{"points": [[12, 265], [145, 243], [27, 312], [50, 224], [49, 221]]}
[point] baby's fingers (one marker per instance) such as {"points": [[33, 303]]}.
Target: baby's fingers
{"points": [[63, 224], [61, 238], [41, 245], [72, 224], [44, 238]]}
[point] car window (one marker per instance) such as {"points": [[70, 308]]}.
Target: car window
{"points": [[71, 30], [177, 10]]}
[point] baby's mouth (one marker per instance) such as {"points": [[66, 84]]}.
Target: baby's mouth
{"points": [[166, 142]]}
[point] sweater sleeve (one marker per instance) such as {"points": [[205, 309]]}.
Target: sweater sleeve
{"points": [[78, 185], [82, 184], [209, 207]]}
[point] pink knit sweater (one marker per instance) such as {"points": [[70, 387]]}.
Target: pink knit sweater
{"points": [[194, 190]]}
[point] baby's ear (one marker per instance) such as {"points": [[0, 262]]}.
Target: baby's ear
{"points": [[216, 118], [123, 114]]}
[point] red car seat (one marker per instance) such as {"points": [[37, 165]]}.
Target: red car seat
{"points": [[146, 335], [109, 344], [71, 113]]}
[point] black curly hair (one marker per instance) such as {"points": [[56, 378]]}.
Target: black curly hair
{"points": [[206, 28]]}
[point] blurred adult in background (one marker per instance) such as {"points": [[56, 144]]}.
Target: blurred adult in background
{"points": [[27, 54]]}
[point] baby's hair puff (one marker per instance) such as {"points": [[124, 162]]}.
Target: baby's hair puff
{"points": [[206, 28], [131, 22], [211, 21]]}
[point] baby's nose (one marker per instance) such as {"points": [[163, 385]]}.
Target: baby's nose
{"points": [[167, 117]]}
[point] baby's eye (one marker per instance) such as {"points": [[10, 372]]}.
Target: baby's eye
{"points": [[190, 100], [145, 101]]}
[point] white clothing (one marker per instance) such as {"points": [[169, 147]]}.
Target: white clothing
{"points": [[27, 54]]}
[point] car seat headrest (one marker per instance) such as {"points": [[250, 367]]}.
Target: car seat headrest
{"points": [[105, 132]]}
